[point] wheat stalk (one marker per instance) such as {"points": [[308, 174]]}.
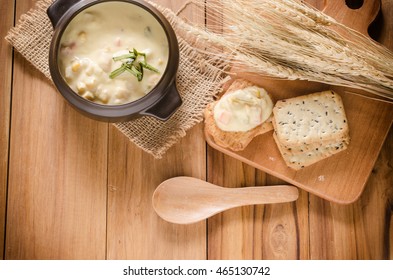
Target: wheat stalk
{"points": [[291, 40]]}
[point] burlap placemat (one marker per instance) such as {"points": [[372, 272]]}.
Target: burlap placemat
{"points": [[197, 82]]}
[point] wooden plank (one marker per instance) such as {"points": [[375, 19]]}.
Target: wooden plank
{"points": [[332, 230], [6, 21], [277, 231], [254, 232], [231, 233], [386, 156], [57, 173], [377, 203], [361, 230], [134, 230], [287, 227]]}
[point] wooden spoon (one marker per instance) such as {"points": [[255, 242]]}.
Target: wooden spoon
{"points": [[186, 200]]}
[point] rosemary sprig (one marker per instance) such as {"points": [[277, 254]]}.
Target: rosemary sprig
{"points": [[124, 56], [118, 71], [132, 64]]}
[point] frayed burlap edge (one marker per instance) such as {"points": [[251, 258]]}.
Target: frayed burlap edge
{"points": [[32, 35], [197, 81]]}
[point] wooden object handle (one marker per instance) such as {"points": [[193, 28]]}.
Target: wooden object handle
{"points": [[259, 195], [358, 19]]}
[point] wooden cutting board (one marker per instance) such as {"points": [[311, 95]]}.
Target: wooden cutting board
{"points": [[340, 178]]}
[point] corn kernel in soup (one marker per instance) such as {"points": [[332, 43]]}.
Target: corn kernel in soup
{"points": [[104, 31]]}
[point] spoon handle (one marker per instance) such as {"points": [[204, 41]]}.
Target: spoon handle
{"points": [[261, 195]]}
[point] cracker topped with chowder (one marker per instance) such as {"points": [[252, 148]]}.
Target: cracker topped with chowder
{"points": [[113, 53]]}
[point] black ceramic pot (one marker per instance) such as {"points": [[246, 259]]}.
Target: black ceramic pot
{"points": [[161, 102]]}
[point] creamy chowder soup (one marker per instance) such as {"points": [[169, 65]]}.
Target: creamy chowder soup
{"points": [[113, 53]]}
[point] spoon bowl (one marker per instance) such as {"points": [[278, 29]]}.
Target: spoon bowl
{"points": [[186, 200]]}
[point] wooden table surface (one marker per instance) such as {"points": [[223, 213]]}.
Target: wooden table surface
{"points": [[74, 188]]}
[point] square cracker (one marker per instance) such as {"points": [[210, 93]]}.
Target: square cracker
{"points": [[308, 156], [313, 120]]}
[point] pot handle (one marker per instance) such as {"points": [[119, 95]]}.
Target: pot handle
{"points": [[58, 9], [165, 107]]}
